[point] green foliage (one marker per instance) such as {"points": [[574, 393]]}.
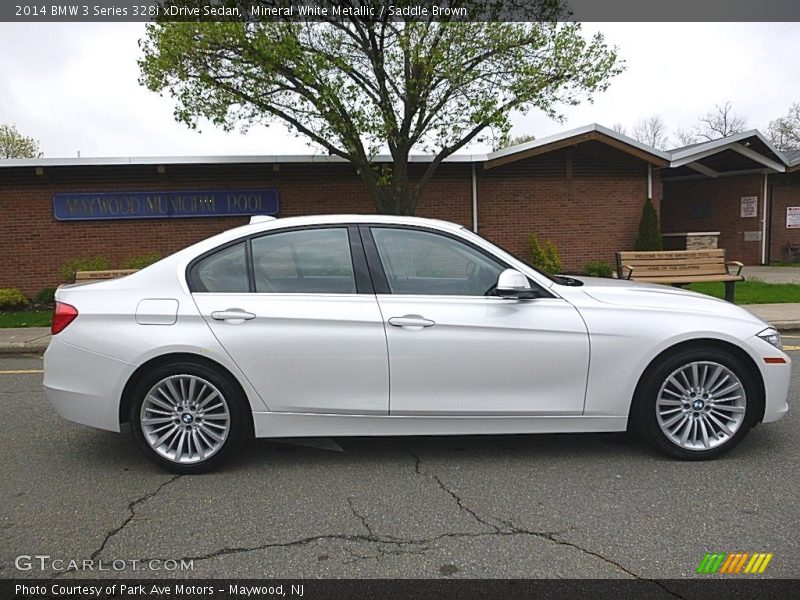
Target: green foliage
{"points": [[12, 299], [45, 296], [649, 237], [15, 145], [92, 263], [753, 292], [356, 86], [598, 268], [507, 142], [544, 257], [26, 318], [140, 262]]}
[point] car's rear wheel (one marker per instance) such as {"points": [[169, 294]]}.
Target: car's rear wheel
{"points": [[697, 404], [188, 417]]}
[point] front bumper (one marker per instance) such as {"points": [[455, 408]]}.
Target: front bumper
{"points": [[84, 387], [777, 377]]}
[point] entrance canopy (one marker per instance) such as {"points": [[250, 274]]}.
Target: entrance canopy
{"points": [[746, 152]]}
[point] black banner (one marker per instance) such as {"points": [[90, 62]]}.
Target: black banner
{"points": [[456, 10], [733, 588]]}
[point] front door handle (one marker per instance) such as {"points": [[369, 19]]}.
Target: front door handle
{"points": [[411, 322], [232, 315]]}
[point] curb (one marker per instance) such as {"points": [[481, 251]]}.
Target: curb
{"points": [[34, 347]]}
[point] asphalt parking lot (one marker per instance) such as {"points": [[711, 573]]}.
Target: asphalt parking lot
{"points": [[509, 506]]}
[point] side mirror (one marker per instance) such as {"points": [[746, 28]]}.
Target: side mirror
{"points": [[513, 284]]}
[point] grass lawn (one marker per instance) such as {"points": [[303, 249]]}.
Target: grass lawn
{"points": [[33, 318], [753, 292]]}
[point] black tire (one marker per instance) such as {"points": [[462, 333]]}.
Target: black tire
{"points": [[239, 424], [645, 415]]}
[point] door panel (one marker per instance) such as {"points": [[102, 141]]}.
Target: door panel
{"points": [[307, 352], [308, 335], [486, 356]]}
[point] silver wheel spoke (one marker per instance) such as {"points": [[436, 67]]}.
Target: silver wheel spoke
{"points": [[160, 403], [157, 420], [701, 405], [175, 419], [726, 408]]}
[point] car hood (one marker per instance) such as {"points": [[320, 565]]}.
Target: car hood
{"points": [[649, 295]]}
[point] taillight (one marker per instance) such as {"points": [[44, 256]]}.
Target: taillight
{"points": [[63, 315]]}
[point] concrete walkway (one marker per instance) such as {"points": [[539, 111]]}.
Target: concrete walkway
{"points": [[772, 274], [785, 317]]}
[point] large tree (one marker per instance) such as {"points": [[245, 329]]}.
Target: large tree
{"points": [[356, 87], [719, 123], [652, 131], [784, 131], [15, 145]]}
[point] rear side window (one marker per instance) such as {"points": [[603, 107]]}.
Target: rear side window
{"points": [[224, 271], [311, 261]]}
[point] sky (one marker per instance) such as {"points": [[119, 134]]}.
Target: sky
{"points": [[74, 87]]}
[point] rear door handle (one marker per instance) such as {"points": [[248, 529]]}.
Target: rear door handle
{"points": [[411, 322], [232, 315]]}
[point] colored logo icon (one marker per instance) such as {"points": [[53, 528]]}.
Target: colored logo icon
{"points": [[734, 563]]}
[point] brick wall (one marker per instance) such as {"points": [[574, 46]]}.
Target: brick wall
{"points": [[785, 192], [715, 205], [587, 200], [590, 209], [35, 245]]}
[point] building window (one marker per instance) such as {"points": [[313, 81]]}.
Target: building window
{"points": [[700, 210]]}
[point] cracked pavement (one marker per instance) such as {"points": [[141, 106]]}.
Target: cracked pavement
{"points": [[504, 506]]}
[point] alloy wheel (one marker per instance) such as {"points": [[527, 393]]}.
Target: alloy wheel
{"points": [[701, 405], [185, 419]]}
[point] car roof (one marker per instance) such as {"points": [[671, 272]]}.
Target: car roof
{"points": [[343, 218]]}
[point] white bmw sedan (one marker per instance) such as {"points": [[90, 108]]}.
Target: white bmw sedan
{"points": [[368, 325]]}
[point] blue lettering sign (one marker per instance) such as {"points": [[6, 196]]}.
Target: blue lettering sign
{"points": [[96, 206]]}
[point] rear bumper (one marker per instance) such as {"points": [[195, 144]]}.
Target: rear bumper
{"points": [[84, 387]]}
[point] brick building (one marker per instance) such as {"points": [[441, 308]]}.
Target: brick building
{"points": [[583, 189]]}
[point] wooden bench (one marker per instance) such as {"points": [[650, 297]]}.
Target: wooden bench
{"points": [[680, 267], [98, 275]]}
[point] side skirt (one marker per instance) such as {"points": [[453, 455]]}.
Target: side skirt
{"points": [[279, 425]]}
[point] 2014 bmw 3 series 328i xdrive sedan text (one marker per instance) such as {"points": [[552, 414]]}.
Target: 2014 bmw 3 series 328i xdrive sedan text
{"points": [[367, 325]]}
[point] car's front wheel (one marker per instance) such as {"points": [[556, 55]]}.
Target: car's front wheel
{"points": [[187, 417], [697, 404]]}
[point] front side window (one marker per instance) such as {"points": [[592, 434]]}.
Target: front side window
{"points": [[421, 262], [309, 261], [225, 271]]}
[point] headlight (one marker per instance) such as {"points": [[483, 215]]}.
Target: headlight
{"points": [[771, 335]]}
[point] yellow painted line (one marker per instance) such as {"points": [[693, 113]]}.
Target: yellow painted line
{"points": [[791, 347], [22, 372]]}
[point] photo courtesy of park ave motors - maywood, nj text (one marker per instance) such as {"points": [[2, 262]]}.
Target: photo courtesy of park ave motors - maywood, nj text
{"points": [[414, 299]]}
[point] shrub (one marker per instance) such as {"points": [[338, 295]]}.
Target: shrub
{"points": [[544, 257], [598, 268], [45, 296], [649, 237], [12, 299], [92, 263], [140, 262]]}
